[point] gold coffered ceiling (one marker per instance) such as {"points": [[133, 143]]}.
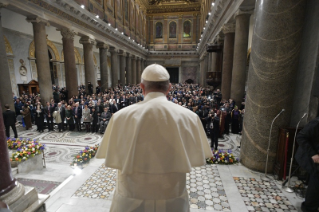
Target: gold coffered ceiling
{"points": [[169, 6]]}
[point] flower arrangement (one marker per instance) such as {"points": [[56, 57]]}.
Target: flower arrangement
{"points": [[220, 157], [26, 148], [84, 156]]}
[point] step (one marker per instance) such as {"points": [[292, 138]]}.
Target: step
{"points": [[39, 205]]}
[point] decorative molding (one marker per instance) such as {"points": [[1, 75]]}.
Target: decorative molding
{"points": [[229, 28], [86, 40], [8, 46]]}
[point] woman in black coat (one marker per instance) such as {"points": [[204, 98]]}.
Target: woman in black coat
{"points": [[39, 116]]}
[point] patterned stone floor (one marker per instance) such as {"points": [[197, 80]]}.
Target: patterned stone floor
{"points": [[42, 186], [261, 195], [206, 190], [100, 185]]}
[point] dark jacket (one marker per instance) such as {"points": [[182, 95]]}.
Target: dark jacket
{"points": [[9, 118], [79, 112], [308, 140]]}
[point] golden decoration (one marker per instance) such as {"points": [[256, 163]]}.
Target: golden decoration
{"points": [[94, 59], [50, 44], [8, 46]]}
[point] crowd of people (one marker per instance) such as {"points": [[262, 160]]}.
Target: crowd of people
{"points": [[93, 110]]}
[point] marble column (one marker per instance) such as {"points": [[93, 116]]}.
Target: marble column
{"points": [[274, 58], [128, 69], [228, 53], [202, 70], [122, 67], [89, 69], [238, 79], [69, 61], [5, 82], [42, 58], [103, 48], [114, 66], [138, 71], [209, 62], [133, 70]]}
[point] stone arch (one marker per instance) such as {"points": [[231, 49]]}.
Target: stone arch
{"points": [[53, 50], [77, 56], [8, 46]]}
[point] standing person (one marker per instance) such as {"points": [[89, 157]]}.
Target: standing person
{"points": [[171, 137], [69, 118], [90, 88], [235, 119], [48, 111], [114, 107], [86, 118], [27, 116], [95, 120], [18, 106], [77, 111], [9, 118], [39, 117], [60, 116], [56, 96], [307, 156], [214, 129]]}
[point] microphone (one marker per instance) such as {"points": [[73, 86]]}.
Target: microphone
{"points": [[288, 189], [265, 178]]}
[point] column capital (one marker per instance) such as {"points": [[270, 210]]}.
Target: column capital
{"points": [[112, 49], [128, 54], [67, 33], [101, 45], [37, 19], [229, 28], [244, 11], [86, 40], [133, 57], [121, 52]]}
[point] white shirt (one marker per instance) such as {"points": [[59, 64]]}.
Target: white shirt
{"points": [[162, 141]]}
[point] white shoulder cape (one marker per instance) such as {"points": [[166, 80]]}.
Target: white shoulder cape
{"points": [[154, 136]]}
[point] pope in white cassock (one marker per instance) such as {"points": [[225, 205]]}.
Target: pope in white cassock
{"points": [[153, 144]]}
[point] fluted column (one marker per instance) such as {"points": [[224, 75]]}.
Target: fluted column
{"points": [[128, 69], [89, 70], [133, 70], [240, 56], [69, 61], [122, 67], [114, 66], [228, 53], [42, 58], [274, 57], [103, 48], [6, 87]]}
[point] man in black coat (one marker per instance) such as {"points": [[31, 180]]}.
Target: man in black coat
{"points": [[9, 118], [77, 111], [48, 112], [114, 107], [307, 156]]}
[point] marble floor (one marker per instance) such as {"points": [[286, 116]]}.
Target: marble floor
{"points": [[210, 187]]}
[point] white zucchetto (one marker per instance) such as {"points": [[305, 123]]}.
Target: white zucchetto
{"points": [[155, 73]]}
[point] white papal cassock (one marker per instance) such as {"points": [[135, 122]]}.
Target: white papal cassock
{"points": [[153, 144]]}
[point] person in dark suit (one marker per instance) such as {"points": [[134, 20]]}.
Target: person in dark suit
{"points": [[114, 107], [214, 129], [307, 157], [48, 112], [123, 101], [77, 111], [9, 118]]}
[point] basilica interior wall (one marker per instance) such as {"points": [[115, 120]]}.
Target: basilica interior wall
{"points": [[19, 35]]}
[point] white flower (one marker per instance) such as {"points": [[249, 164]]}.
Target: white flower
{"points": [[33, 149], [226, 161], [24, 158], [218, 159]]}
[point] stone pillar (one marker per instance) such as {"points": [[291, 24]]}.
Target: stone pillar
{"points": [[228, 53], [133, 70], [274, 58], [128, 69], [6, 87], [42, 58], [202, 70], [179, 29], [165, 30], [209, 62], [103, 48], [151, 29], [69, 62], [89, 69], [194, 35], [122, 67], [238, 79], [138, 70], [114, 66]]}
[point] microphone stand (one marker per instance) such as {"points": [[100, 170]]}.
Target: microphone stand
{"points": [[265, 178], [288, 189]]}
